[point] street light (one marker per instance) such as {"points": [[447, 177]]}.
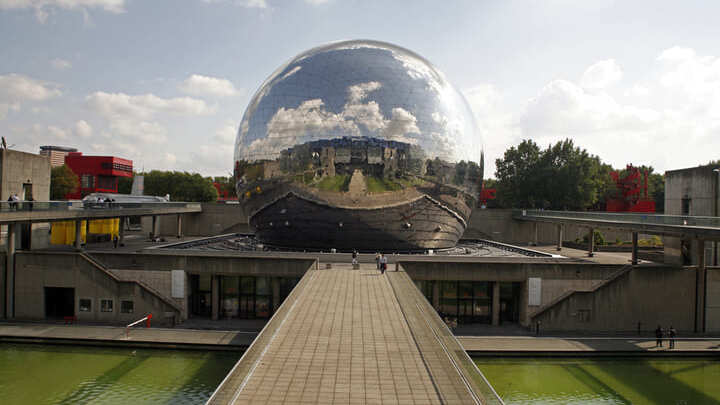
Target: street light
{"points": [[717, 202]]}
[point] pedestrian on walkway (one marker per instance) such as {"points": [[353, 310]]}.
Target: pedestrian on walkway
{"points": [[354, 257], [383, 264], [658, 336], [377, 260], [672, 333]]}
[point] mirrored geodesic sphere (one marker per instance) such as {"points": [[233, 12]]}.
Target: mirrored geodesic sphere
{"points": [[357, 125]]}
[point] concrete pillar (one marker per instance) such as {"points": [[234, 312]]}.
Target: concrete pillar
{"points": [[179, 226], [560, 237], [275, 284], [154, 229], [700, 287], [215, 296], [496, 303], [10, 273], [591, 242], [121, 231], [634, 259], [78, 234], [535, 236], [436, 295]]}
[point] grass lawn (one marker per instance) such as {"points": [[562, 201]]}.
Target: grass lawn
{"points": [[378, 185], [335, 183]]}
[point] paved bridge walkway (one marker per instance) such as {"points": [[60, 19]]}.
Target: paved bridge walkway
{"points": [[354, 337]]}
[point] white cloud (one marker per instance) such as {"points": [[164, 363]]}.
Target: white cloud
{"points": [[60, 64], [317, 2], [44, 7], [601, 75], [121, 105], [198, 85], [679, 126], [226, 134], [83, 129], [242, 3], [16, 89]]}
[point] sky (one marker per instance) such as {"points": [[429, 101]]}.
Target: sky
{"points": [[166, 82]]}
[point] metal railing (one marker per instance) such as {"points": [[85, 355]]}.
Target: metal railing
{"points": [[629, 218], [27, 206], [139, 321]]}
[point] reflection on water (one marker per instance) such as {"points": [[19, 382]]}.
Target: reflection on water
{"points": [[637, 381], [38, 374]]}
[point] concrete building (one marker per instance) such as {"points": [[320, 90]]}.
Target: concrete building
{"points": [[694, 191], [28, 176], [56, 154]]}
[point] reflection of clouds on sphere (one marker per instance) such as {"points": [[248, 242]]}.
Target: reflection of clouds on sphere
{"points": [[358, 89]]}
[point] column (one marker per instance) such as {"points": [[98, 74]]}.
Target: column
{"points": [[591, 242], [535, 229], [179, 226], [121, 231], [436, 294], [634, 259], [78, 234], [153, 230], [700, 279], [215, 296], [560, 237], [10, 272], [275, 284], [496, 303]]}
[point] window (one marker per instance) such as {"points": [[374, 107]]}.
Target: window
{"points": [[127, 307], [106, 305], [87, 181], [85, 305]]}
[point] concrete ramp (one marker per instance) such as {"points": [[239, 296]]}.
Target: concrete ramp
{"points": [[354, 336]]}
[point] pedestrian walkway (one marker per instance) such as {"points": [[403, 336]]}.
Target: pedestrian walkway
{"points": [[531, 345], [345, 337]]}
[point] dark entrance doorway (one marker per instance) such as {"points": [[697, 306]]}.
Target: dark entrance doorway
{"points": [[510, 302], [59, 302], [200, 295]]}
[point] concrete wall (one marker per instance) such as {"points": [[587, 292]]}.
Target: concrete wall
{"points": [[556, 278], [206, 263], [712, 314], [497, 224], [651, 295], [160, 281], [34, 271], [19, 167], [700, 186], [215, 219]]}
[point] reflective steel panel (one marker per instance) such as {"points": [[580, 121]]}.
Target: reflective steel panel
{"points": [[358, 125]]}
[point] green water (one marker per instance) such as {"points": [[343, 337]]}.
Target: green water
{"points": [[637, 381], [39, 374]]}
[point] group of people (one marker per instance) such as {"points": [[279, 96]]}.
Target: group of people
{"points": [[381, 262], [14, 202], [660, 333]]}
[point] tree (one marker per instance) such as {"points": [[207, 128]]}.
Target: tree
{"points": [[125, 184], [62, 182], [181, 186], [562, 176]]}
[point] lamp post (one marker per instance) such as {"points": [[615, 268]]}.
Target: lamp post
{"points": [[717, 203]]}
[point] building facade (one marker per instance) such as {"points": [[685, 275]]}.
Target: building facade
{"points": [[695, 192], [97, 174], [56, 154]]}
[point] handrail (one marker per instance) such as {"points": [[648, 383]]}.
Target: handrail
{"points": [[147, 325]]}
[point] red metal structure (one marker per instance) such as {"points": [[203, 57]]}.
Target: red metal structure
{"points": [[223, 193], [485, 195], [97, 174], [632, 190]]}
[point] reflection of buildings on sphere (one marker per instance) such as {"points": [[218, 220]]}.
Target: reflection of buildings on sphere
{"points": [[358, 144]]}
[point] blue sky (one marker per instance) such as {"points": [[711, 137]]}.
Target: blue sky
{"points": [[165, 83]]}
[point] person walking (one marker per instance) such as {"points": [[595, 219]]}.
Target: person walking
{"points": [[383, 264], [354, 257], [658, 336], [672, 333], [377, 260]]}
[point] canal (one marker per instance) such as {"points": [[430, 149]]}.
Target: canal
{"points": [[589, 381], [47, 374]]}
